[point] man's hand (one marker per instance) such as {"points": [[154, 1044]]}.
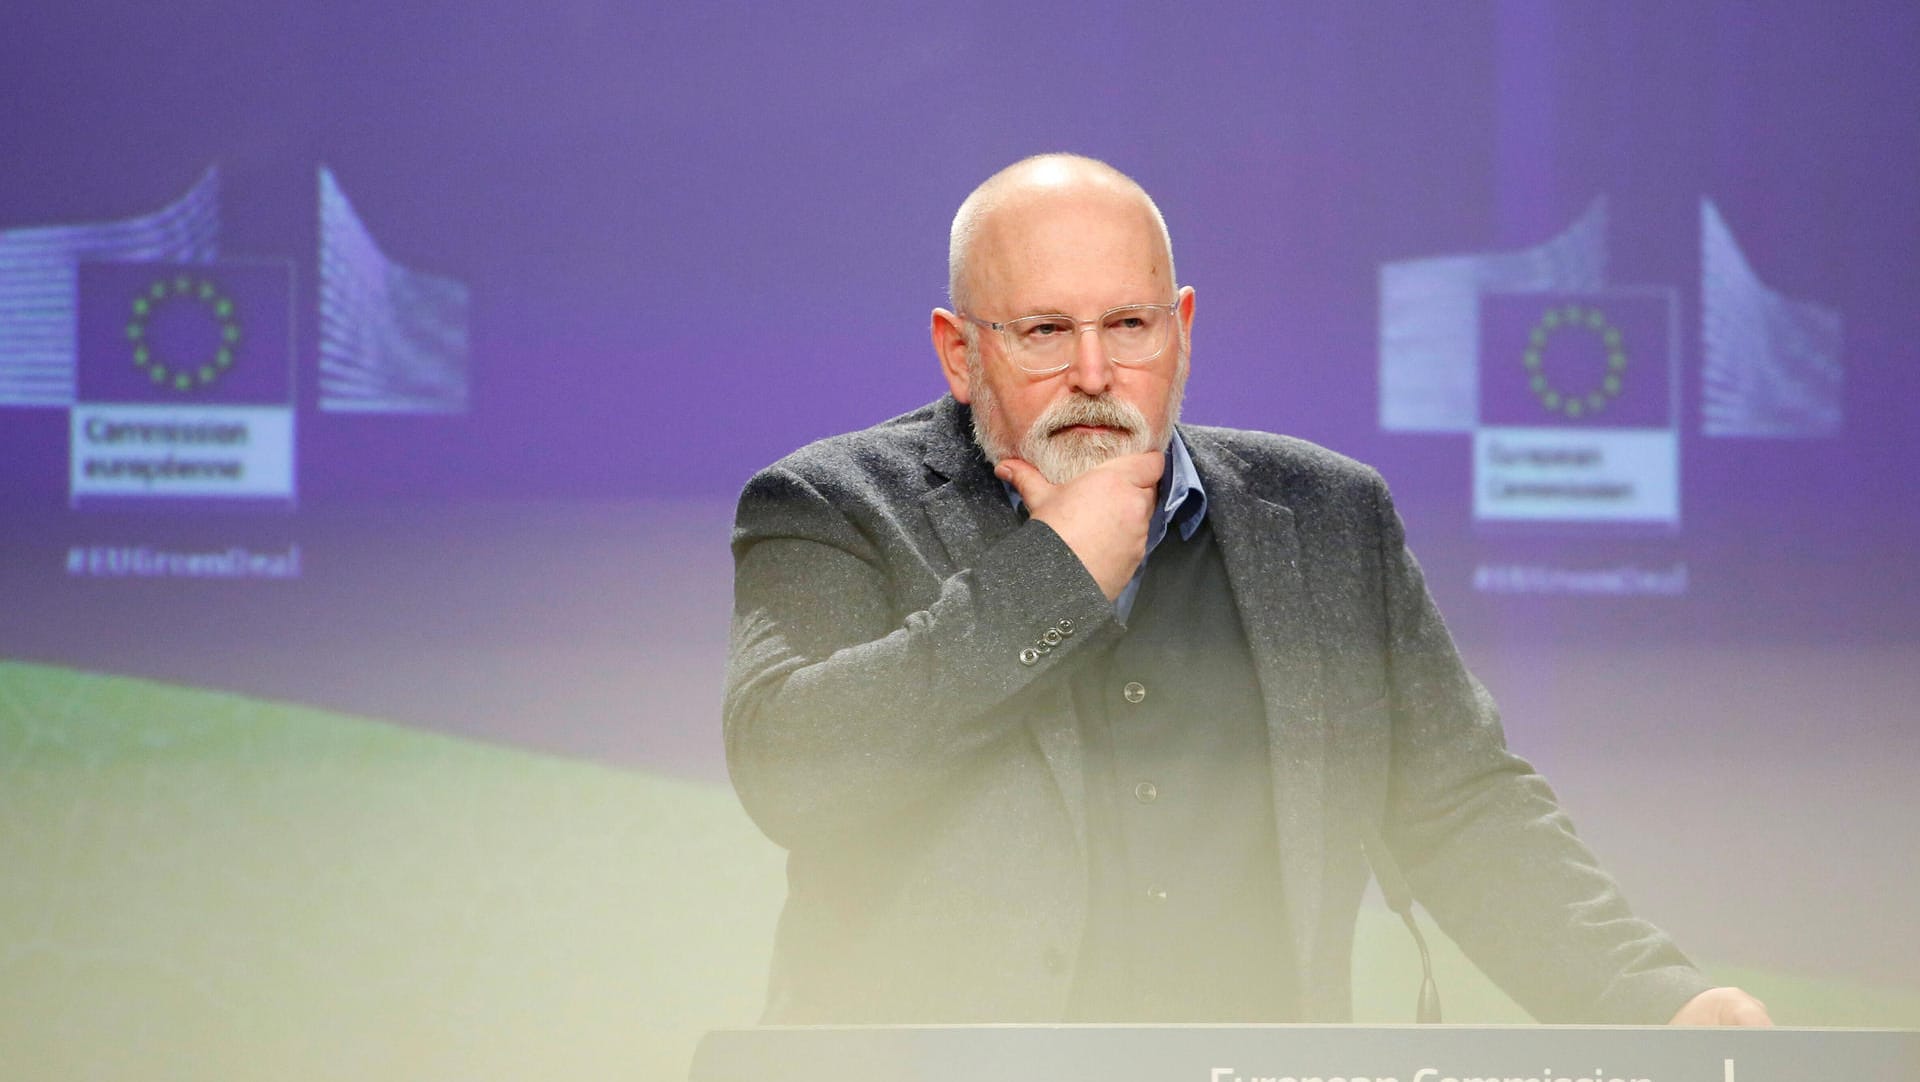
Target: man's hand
{"points": [[1722, 1007], [1102, 514]]}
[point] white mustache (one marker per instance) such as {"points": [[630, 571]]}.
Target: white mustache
{"points": [[1105, 412]]}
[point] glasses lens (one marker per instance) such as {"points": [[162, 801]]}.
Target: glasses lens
{"points": [[1136, 334], [1041, 343]]}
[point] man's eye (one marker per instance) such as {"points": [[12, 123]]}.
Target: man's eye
{"points": [[1046, 330], [1128, 323]]}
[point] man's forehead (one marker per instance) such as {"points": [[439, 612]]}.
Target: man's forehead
{"points": [[1056, 245]]}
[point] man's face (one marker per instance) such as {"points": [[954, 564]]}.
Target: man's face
{"points": [[1077, 253]]}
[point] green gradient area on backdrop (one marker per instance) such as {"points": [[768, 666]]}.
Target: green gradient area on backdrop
{"points": [[199, 885]]}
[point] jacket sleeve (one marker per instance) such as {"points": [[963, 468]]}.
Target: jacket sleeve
{"points": [[841, 709], [1485, 844]]}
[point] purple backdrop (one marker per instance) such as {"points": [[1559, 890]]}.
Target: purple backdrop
{"points": [[602, 261]]}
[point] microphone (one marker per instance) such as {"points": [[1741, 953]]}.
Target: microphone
{"points": [[1393, 887]]}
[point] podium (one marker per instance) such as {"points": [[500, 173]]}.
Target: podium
{"points": [[1304, 1053]]}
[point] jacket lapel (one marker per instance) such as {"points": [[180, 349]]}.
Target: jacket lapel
{"points": [[969, 512], [965, 504], [1261, 551]]}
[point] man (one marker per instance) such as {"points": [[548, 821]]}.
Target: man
{"points": [[1067, 713]]}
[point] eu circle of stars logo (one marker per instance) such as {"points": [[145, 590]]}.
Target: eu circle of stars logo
{"points": [[1561, 323], [183, 370]]}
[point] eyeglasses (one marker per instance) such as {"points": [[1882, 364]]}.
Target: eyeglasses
{"points": [[1132, 334]]}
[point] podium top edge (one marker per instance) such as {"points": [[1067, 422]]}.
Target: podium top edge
{"points": [[1396, 1026]]}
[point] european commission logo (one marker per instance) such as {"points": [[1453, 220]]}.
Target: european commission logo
{"points": [[1577, 408], [184, 381], [178, 367], [1570, 385]]}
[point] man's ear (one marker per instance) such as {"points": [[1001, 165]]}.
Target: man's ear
{"points": [[950, 344]]}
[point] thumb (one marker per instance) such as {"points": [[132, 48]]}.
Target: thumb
{"points": [[1025, 479]]}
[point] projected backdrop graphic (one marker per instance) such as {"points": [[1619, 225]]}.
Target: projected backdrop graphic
{"points": [[375, 386]]}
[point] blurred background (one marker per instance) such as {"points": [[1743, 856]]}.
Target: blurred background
{"points": [[376, 380]]}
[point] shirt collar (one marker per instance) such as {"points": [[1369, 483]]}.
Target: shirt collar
{"points": [[1185, 499]]}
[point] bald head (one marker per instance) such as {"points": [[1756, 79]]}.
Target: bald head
{"points": [[1000, 218]]}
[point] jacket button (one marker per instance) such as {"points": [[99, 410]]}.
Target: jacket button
{"points": [[1029, 656], [1135, 691], [1065, 626], [1052, 636], [1146, 792]]}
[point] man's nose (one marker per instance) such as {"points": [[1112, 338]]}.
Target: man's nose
{"points": [[1090, 373]]}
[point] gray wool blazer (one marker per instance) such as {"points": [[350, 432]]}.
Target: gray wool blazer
{"points": [[928, 785]]}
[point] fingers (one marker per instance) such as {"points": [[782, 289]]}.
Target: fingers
{"points": [[1750, 1012], [1723, 1007], [1025, 479], [1143, 469]]}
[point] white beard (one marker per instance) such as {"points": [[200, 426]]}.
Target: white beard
{"points": [[1062, 456]]}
